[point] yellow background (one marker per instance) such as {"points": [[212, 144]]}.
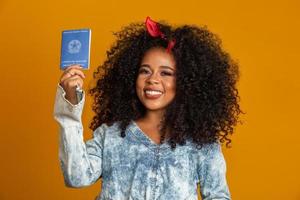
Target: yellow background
{"points": [[263, 36]]}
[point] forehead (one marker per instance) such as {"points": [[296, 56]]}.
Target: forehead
{"points": [[156, 57]]}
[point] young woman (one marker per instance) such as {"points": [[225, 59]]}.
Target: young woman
{"points": [[164, 102]]}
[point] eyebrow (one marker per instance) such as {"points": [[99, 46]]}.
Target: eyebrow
{"points": [[162, 66]]}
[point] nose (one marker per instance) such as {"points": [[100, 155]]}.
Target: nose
{"points": [[153, 79]]}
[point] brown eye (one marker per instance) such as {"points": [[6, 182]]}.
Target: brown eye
{"points": [[166, 73], [143, 71]]}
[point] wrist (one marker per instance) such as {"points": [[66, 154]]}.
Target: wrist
{"points": [[72, 99]]}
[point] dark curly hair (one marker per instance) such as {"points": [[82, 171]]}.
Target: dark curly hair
{"points": [[205, 108]]}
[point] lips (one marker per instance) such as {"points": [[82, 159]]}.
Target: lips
{"points": [[152, 94]]}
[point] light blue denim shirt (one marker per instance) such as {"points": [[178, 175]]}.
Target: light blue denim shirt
{"points": [[134, 167]]}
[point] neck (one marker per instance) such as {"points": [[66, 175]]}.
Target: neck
{"points": [[152, 117]]}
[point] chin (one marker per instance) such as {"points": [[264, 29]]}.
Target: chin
{"points": [[152, 107]]}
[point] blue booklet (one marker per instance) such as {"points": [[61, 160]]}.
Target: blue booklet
{"points": [[75, 48]]}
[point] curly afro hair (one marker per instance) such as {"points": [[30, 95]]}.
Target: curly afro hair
{"points": [[205, 108]]}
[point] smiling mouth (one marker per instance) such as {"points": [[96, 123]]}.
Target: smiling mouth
{"points": [[153, 94]]}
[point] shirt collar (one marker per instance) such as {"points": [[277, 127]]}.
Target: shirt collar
{"points": [[143, 138]]}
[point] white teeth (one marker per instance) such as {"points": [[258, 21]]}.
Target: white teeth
{"points": [[153, 92]]}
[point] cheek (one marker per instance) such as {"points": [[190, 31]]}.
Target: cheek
{"points": [[139, 84], [170, 85]]}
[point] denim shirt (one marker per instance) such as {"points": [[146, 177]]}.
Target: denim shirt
{"points": [[135, 167]]}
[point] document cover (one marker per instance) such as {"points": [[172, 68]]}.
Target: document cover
{"points": [[75, 48]]}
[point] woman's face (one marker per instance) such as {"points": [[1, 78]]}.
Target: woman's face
{"points": [[156, 83]]}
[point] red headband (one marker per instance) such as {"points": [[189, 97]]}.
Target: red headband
{"points": [[154, 31]]}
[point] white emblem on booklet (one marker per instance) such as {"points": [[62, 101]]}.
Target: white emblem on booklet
{"points": [[74, 46]]}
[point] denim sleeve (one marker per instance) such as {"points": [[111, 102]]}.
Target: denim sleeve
{"points": [[81, 162], [212, 174]]}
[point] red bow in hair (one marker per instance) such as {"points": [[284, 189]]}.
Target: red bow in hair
{"points": [[154, 31]]}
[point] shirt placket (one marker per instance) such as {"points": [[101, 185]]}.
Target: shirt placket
{"points": [[155, 168]]}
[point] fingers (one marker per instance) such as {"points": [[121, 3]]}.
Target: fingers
{"points": [[71, 71], [72, 82]]}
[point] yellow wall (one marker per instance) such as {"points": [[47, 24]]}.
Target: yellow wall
{"points": [[263, 36]]}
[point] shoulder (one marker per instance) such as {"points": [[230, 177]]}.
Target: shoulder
{"points": [[209, 152], [103, 129]]}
